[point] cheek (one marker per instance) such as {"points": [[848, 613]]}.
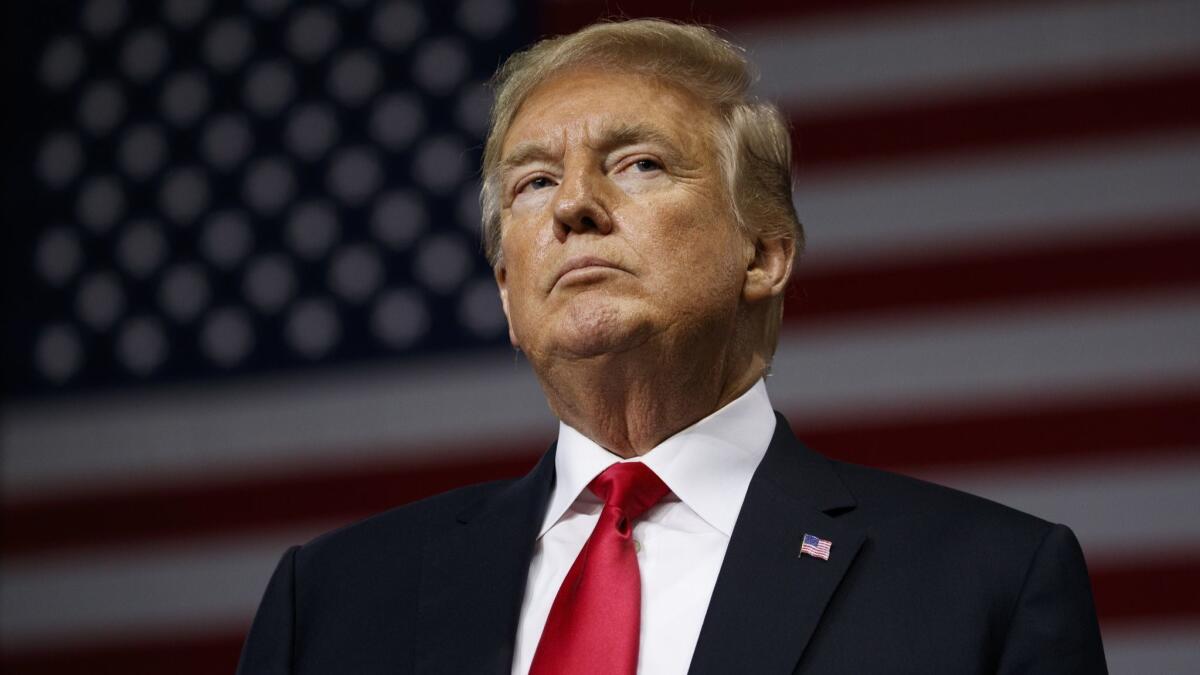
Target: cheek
{"points": [[635, 183], [696, 240], [531, 254], [526, 258], [528, 204]]}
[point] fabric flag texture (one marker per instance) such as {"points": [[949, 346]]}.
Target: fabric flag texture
{"points": [[245, 300]]}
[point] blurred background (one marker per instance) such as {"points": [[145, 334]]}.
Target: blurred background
{"points": [[244, 299]]}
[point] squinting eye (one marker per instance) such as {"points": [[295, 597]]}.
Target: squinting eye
{"points": [[647, 165]]}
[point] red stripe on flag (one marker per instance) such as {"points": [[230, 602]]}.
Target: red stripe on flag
{"points": [[1043, 433], [1155, 256], [255, 504], [1040, 432], [198, 653], [1141, 588], [1005, 119]]}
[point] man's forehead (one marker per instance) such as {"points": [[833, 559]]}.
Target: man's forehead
{"points": [[596, 106], [599, 136]]}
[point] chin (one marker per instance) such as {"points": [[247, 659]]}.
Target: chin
{"points": [[596, 329]]}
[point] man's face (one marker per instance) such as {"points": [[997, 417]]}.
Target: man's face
{"points": [[616, 226]]}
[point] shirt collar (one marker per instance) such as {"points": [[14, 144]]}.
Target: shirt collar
{"points": [[708, 465]]}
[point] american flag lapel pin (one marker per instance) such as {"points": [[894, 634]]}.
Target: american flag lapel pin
{"points": [[816, 547]]}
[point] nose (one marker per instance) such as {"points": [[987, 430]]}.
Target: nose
{"points": [[579, 206]]}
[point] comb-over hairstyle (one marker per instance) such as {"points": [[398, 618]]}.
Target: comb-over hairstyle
{"points": [[752, 139]]}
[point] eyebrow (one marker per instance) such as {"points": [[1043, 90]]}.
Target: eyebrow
{"points": [[627, 133], [526, 153], [610, 138]]}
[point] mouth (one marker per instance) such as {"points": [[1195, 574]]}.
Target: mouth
{"points": [[582, 269]]}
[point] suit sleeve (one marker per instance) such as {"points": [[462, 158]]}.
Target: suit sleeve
{"points": [[268, 648], [1054, 628]]}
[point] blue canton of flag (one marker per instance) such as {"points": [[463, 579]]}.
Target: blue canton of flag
{"points": [[816, 547], [296, 189]]}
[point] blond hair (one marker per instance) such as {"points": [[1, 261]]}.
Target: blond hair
{"points": [[753, 143]]}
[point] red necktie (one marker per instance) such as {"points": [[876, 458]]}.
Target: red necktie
{"points": [[595, 620]]}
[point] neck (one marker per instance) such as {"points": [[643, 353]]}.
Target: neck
{"points": [[630, 402]]}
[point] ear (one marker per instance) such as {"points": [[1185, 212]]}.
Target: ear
{"points": [[768, 272], [501, 273]]}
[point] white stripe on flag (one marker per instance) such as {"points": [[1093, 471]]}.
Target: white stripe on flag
{"points": [[277, 425], [986, 357], [998, 201], [138, 591], [1162, 649], [1120, 511]]}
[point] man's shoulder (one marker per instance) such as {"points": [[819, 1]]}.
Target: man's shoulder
{"points": [[400, 532], [888, 501]]}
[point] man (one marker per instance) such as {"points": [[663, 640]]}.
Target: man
{"points": [[638, 216]]}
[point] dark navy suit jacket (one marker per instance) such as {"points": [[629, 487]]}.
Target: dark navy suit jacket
{"points": [[921, 579]]}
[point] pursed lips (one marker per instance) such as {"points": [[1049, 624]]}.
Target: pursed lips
{"points": [[582, 263]]}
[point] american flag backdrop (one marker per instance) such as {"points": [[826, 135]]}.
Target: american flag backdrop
{"points": [[244, 300]]}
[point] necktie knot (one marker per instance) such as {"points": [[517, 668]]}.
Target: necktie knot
{"points": [[630, 487]]}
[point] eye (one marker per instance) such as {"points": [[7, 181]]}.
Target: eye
{"points": [[646, 165], [535, 183]]}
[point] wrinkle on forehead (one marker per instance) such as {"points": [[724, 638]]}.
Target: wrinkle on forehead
{"points": [[606, 139]]}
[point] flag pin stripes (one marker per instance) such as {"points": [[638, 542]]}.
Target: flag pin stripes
{"points": [[816, 547]]}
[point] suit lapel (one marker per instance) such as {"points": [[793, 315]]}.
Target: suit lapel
{"points": [[768, 601], [473, 580]]}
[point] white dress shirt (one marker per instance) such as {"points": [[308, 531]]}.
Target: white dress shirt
{"points": [[681, 541]]}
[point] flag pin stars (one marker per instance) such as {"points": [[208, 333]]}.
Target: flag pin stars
{"points": [[816, 547]]}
